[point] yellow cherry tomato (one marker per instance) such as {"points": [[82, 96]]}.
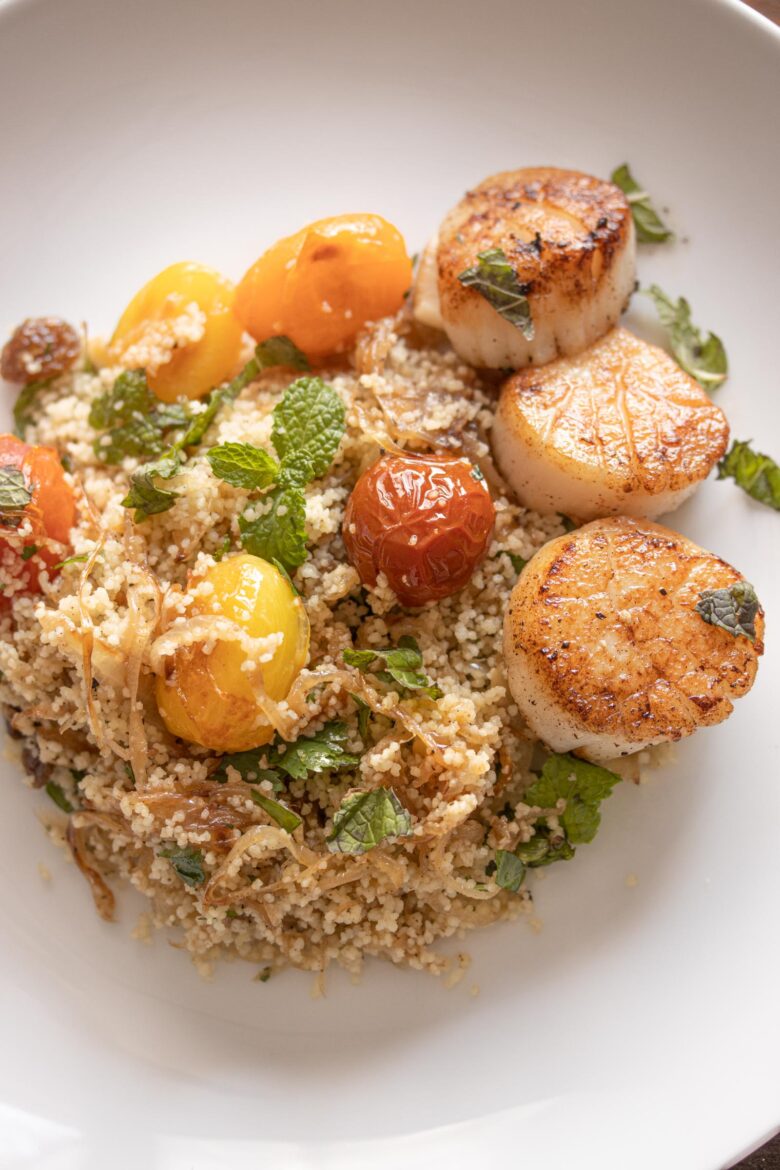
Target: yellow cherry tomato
{"points": [[320, 286], [180, 327], [212, 698]]}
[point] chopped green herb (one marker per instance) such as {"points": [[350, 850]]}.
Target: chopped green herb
{"points": [[231, 912], [366, 819], [582, 785], [23, 414], [518, 562], [28, 551], [129, 772], [495, 279], [188, 864], [133, 420], [243, 466], [263, 975], [532, 852], [147, 497], [401, 665], [313, 753], [569, 525], [79, 559], [650, 228], [223, 549], [704, 358], [363, 715], [320, 752], [734, 609], [284, 816], [756, 474], [510, 871], [56, 793], [14, 493]]}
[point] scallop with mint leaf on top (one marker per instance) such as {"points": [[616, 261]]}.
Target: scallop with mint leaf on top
{"points": [[531, 265], [625, 634]]}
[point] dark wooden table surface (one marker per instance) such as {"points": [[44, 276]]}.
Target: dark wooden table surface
{"points": [[768, 1157]]}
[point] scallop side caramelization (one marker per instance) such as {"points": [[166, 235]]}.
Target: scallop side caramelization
{"points": [[553, 249], [620, 428], [606, 650]]}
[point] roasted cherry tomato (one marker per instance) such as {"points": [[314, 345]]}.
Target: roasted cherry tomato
{"points": [[209, 696], [36, 534], [180, 327], [425, 521], [320, 286], [41, 347]]}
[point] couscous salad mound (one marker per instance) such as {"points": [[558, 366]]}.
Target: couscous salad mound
{"points": [[273, 635]]}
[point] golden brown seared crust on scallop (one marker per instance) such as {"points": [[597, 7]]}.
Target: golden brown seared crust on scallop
{"points": [[620, 428], [605, 650], [569, 238]]}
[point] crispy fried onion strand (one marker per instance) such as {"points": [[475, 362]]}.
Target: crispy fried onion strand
{"points": [[353, 682], [78, 825]]}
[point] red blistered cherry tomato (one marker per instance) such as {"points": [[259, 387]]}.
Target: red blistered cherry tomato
{"points": [[26, 538], [425, 521]]}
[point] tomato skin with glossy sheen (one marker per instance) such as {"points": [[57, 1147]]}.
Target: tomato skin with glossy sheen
{"points": [[51, 513], [211, 699], [192, 369], [320, 286], [425, 521]]}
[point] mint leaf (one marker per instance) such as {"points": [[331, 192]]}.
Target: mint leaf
{"points": [[510, 871], [401, 663], [308, 425], [133, 419], [366, 819], [363, 717], [77, 559], [28, 551], [704, 358], [313, 753], [145, 496], [582, 785], [14, 493], [188, 864], [734, 609], [280, 351], [650, 228], [55, 792], [495, 279], [23, 413], [280, 533], [756, 474], [242, 465], [284, 816]]}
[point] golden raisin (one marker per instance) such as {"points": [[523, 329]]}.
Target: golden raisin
{"points": [[42, 347]]}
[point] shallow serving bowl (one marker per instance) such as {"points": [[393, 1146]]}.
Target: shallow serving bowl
{"points": [[641, 1028]]}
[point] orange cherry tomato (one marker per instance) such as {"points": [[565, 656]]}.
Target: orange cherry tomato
{"points": [[184, 300], [44, 524], [320, 286], [425, 521]]}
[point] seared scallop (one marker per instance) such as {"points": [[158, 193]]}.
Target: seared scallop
{"points": [[569, 239], [605, 650], [619, 429]]}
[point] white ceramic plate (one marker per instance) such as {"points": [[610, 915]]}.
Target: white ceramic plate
{"points": [[642, 1028]]}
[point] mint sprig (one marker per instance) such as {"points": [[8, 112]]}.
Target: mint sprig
{"points": [[650, 228], [704, 358], [308, 424], [144, 420], [367, 819]]}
